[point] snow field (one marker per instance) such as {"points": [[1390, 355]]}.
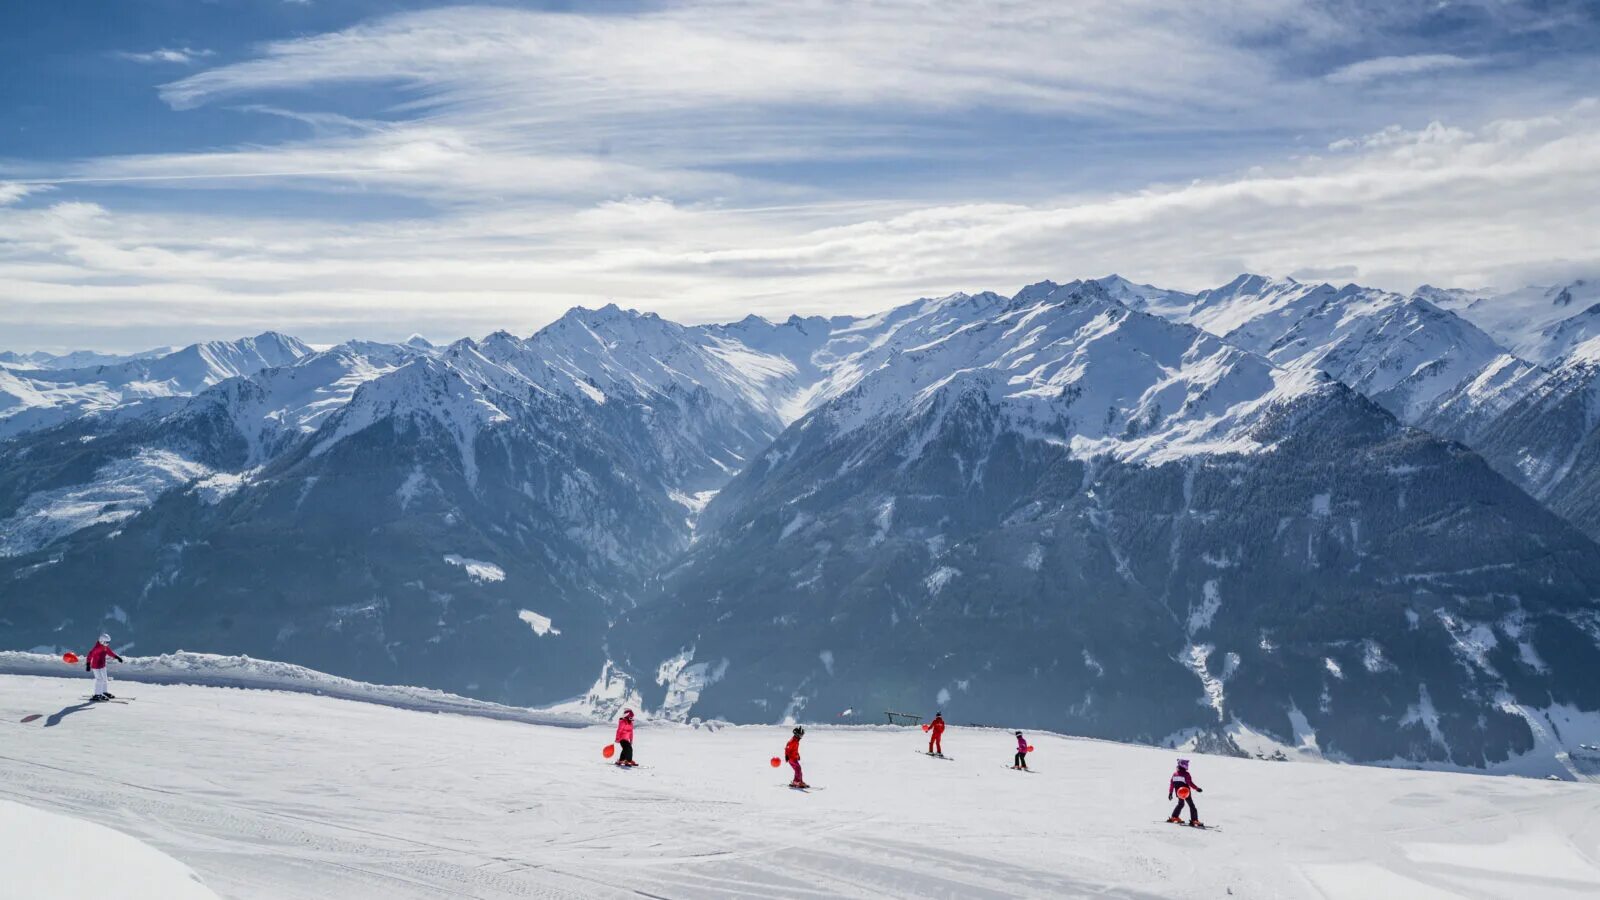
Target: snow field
{"points": [[284, 795], [50, 855]]}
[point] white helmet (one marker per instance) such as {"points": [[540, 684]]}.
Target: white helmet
{"points": [[105, 638]]}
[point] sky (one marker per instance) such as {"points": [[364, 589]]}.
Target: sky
{"points": [[178, 170]]}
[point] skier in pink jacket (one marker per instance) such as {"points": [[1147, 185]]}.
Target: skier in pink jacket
{"points": [[1182, 784], [625, 738], [1021, 760]]}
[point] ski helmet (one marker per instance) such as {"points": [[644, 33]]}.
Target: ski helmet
{"points": [[1183, 764], [799, 731], [627, 714], [105, 638], [1019, 734]]}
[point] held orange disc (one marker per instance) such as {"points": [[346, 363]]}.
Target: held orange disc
{"points": [[776, 762], [609, 751], [69, 657], [1183, 793]]}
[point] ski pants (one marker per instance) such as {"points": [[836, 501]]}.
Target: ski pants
{"points": [[100, 681], [1022, 760], [798, 777], [627, 752], [1179, 808], [936, 742]]}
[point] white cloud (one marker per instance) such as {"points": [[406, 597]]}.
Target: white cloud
{"points": [[1448, 205], [182, 55], [667, 159], [1397, 66], [12, 191]]}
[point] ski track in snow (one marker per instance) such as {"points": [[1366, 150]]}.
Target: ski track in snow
{"points": [[290, 795]]}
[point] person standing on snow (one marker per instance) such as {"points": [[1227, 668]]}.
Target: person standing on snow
{"points": [[936, 735], [1182, 784], [1021, 761], [96, 663], [625, 738], [791, 755]]}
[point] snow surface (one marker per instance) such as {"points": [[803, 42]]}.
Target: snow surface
{"points": [[401, 803], [478, 570], [48, 855]]}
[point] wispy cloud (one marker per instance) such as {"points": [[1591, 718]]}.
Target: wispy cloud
{"points": [[1398, 66], [708, 157], [181, 55]]}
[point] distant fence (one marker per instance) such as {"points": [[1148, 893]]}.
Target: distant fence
{"points": [[902, 718]]}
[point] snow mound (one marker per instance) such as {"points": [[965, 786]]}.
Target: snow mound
{"points": [[211, 670]]}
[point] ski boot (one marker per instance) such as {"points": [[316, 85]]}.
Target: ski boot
{"points": [[109, 696], [1196, 823], [1174, 820]]}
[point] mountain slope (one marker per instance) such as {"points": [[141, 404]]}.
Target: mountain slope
{"points": [[1062, 511]]}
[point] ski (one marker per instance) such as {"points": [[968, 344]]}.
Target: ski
{"points": [[1195, 827], [934, 756], [1015, 769], [30, 718], [804, 790]]}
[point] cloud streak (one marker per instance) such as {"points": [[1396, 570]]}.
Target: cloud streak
{"points": [[177, 55]]}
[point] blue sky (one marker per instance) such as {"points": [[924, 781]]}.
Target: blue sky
{"points": [[172, 170]]}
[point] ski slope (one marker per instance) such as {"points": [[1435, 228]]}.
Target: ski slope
{"points": [[271, 793]]}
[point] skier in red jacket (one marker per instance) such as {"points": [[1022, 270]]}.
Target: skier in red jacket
{"points": [[791, 755], [936, 735], [96, 663], [1182, 784], [625, 738]]}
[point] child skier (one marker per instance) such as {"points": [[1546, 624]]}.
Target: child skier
{"points": [[96, 663], [625, 738], [1021, 761], [936, 735], [791, 755], [1182, 784]]}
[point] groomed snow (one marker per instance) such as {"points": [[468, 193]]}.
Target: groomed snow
{"points": [[48, 855], [275, 794]]}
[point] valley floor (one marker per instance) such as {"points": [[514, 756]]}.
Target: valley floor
{"points": [[286, 795]]}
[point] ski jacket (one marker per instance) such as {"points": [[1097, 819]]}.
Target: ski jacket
{"points": [[625, 730], [791, 750], [97, 656], [937, 725], [1022, 744], [1181, 778]]}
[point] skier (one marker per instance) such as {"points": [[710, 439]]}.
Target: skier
{"points": [[791, 755], [1182, 779], [936, 735], [1021, 761], [96, 663], [625, 738]]}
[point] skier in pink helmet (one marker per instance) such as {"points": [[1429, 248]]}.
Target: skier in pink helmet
{"points": [[625, 738]]}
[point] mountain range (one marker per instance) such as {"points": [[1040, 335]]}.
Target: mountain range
{"points": [[1267, 514]]}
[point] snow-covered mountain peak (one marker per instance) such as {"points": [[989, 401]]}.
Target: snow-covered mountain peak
{"points": [[1076, 367]]}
